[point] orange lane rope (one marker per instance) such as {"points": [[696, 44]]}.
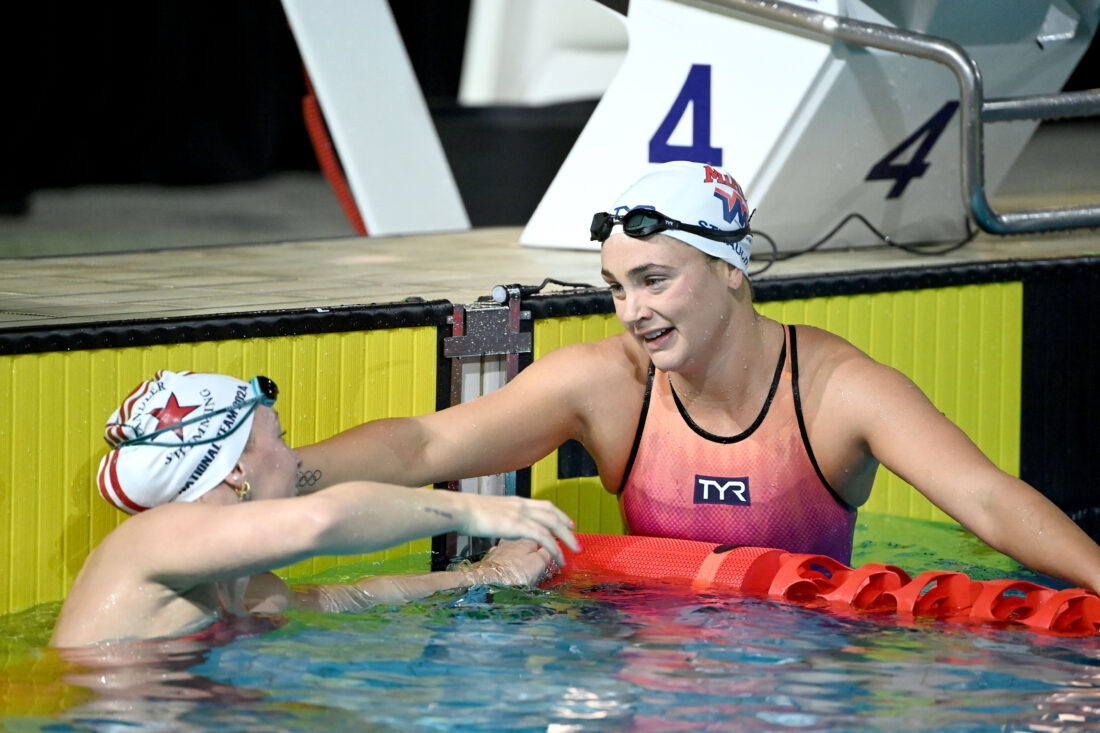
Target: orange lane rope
{"points": [[820, 581]]}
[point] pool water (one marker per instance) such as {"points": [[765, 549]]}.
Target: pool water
{"points": [[586, 658]]}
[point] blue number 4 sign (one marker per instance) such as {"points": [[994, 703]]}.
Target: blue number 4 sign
{"points": [[696, 90], [902, 173]]}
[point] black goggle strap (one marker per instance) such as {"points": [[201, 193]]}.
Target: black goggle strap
{"points": [[264, 391], [718, 235], [655, 221]]}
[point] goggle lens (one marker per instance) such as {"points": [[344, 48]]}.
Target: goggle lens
{"points": [[643, 222], [265, 389], [602, 222]]}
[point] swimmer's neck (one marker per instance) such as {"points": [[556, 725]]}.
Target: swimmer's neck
{"points": [[742, 366]]}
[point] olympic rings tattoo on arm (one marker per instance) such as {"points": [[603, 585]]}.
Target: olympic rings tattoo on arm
{"points": [[308, 479]]}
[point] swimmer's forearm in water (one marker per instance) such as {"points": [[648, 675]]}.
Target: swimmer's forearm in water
{"points": [[518, 563], [373, 591]]}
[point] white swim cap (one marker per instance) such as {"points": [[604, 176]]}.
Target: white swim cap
{"points": [[177, 436], [698, 195]]}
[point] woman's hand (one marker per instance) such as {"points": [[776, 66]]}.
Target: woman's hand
{"points": [[512, 562], [513, 517]]}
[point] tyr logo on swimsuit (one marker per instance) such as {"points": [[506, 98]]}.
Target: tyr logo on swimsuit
{"points": [[722, 490]]}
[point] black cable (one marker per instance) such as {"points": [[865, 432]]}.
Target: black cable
{"points": [[564, 284], [777, 256], [918, 249], [500, 292], [775, 252]]}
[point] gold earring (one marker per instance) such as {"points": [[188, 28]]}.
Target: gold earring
{"points": [[243, 490]]}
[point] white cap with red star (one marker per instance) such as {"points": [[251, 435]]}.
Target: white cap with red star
{"points": [[174, 438]]}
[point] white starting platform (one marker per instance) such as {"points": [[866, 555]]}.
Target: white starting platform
{"points": [[816, 127], [822, 109]]}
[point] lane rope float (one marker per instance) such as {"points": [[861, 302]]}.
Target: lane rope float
{"points": [[821, 581]]}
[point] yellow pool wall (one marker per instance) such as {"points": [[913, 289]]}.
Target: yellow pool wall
{"points": [[962, 345]]}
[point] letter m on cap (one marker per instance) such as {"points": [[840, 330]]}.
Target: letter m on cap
{"points": [[733, 200]]}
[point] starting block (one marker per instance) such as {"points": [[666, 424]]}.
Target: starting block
{"points": [[813, 128]]}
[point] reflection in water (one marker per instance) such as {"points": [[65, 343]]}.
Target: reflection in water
{"points": [[150, 687], [134, 683], [768, 666], [620, 658], [596, 658]]}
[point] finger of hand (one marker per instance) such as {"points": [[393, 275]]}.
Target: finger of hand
{"points": [[559, 523], [569, 539], [545, 539], [552, 523], [515, 517]]}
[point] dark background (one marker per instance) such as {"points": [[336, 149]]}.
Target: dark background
{"points": [[191, 92]]}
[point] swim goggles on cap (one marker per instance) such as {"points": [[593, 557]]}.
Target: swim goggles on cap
{"points": [[643, 222], [264, 392]]}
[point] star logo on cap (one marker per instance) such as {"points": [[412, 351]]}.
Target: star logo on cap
{"points": [[171, 414]]}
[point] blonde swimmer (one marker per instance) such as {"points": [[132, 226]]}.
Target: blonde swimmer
{"points": [[200, 461]]}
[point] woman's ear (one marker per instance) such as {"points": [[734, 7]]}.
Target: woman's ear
{"points": [[237, 476], [736, 277]]}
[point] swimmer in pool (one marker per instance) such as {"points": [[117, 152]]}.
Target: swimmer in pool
{"points": [[199, 459], [710, 421]]}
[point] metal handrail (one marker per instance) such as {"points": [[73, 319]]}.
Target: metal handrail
{"points": [[1043, 106], [973, 109]]}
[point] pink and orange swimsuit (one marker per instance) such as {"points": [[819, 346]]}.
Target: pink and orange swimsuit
{"points": [[761, 488]]}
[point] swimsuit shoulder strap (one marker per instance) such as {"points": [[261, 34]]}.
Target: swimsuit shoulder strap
{"points": [[641, 427]]}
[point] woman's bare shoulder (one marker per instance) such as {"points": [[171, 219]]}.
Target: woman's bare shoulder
{"points": [[609, 360], [842, 378], [607, 391], [819, 348]]}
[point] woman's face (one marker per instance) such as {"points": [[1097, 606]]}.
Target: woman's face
{"points": [[669, 297], [271, 466]]}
